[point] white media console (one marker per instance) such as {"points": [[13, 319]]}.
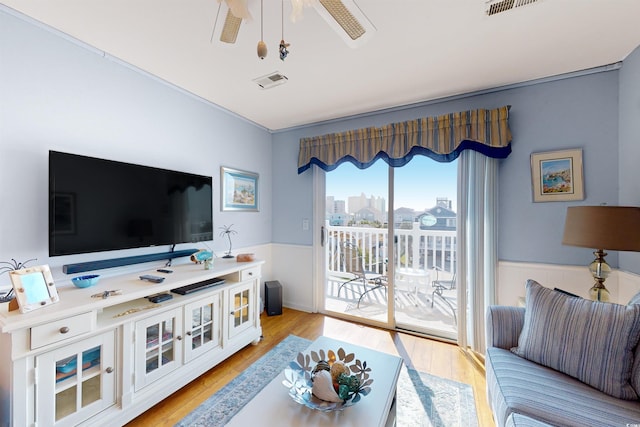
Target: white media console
{"points": [[103, 361]]}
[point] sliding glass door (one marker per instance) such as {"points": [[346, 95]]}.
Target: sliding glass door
{"points": [[357, 243], [389, 245]]}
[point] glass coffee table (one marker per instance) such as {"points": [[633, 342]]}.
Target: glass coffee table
{"points": [[273, 406]]}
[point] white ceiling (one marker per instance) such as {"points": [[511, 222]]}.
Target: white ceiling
{"points": [[422, 50]]}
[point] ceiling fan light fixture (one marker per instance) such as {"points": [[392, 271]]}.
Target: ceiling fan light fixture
{"points": [[347, 20]]}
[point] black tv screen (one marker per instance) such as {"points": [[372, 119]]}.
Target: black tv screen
{"points": [[101, 205]]}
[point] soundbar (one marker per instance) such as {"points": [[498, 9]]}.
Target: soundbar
{"points": [[198, 286]]}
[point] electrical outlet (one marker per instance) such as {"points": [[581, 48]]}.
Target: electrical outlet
{"points": [[305, 224]]}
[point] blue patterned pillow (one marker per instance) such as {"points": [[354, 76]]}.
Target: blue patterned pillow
{"points": [[588, 340], [635, 372], [635, 299]]}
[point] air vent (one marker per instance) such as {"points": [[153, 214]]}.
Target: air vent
{"points": [[498, 6], [270, 80]]}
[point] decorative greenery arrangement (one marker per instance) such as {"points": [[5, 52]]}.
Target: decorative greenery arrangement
{"points": [[227, 231], [351, 383], [13, 265]]}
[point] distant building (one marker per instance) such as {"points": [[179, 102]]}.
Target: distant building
{"points": [[369, 215], [356, 203], [439, 217], [339, 219], [403, 217]]}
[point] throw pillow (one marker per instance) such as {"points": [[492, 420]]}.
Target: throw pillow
{"points": [[588, 340], [635, 372], [635, 299]]}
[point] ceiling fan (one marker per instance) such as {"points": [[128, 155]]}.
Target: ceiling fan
{"points": [[344, 16]]}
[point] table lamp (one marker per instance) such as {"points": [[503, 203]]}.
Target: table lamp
{"points": [[602, 227]]}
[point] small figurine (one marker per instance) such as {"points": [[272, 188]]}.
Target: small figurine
{"points": [[201, 256], [283, 49]]}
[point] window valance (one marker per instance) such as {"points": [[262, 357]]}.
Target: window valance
{"points": [[441, 138]]}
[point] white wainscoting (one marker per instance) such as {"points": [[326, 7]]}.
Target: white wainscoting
{"points": [[292, 266], [512, 277]]}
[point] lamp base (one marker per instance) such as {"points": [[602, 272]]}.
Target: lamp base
{"points": [[599, 293]]}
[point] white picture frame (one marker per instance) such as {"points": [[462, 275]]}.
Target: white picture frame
{"points": [[557, 176], [34, 287]]}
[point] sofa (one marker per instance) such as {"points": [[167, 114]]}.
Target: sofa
{"points": [[563, 361]]}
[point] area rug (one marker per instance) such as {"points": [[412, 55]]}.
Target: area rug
{"points": [[423, 399]]}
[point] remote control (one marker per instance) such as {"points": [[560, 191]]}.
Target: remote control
{"points": [[154, 279], [164, 270], [159, 298]]}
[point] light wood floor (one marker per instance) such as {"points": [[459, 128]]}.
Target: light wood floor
{"points": [[434, 357]]}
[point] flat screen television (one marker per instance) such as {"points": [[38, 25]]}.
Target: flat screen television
{"points": [[102, 205]]}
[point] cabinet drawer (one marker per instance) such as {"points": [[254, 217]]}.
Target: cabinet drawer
{"points": [[63, 329], [249, 273]]}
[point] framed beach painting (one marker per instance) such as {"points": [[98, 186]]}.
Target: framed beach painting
{"points": [[557, 176], [239, 190]]}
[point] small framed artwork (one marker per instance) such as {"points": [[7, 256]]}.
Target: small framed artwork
{"points": [[239, 190], [34, 287], [557, 176]]}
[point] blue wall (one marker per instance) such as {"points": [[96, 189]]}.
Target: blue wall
{"points": [[580, 111], [629, 177], [56, 94]]}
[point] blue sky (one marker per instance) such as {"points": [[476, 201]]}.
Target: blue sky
{"points": [[418, 183]]}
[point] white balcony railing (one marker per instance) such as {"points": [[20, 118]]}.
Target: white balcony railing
{"points": [[415, 249]]}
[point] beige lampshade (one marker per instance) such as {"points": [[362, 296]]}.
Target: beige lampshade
{"points": [[615, 228]]}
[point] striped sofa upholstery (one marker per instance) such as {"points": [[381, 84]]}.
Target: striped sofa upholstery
{"points": [[523, 393]]}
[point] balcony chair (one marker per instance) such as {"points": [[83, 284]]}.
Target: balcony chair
{"points": [[353, 262], [439, 286]]}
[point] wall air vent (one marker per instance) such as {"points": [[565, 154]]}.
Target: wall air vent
{"points": [[270, 80], [494, 7]]}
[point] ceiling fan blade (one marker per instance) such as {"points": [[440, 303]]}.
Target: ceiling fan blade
{"points": [[231, 28], [347, 19], [344, 18]]}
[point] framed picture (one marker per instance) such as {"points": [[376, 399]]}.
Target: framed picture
{"points": [[34, 287], [239, 190], [557, 176]]}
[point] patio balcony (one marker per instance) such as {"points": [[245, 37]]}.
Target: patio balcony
{"points": [[421, 257]]}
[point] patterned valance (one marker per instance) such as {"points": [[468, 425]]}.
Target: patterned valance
{"points": [[442, 138]]}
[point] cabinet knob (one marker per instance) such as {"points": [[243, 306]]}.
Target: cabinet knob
{"points": [[179, 338], [64, 329], [109, 370], [189, 333], [250, 273]]}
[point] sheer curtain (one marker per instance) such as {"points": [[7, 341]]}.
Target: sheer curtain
{"points": [[477, 245]]}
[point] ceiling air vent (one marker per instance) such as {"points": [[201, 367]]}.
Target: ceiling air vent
{"points": [[499, 6], [270, 80]]}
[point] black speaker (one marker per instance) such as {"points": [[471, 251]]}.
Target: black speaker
{"points": [[273, 297]]}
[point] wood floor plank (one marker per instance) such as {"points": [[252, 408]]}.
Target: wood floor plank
{"points": [[425, 355]]}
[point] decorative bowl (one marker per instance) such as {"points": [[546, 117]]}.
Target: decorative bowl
{"points": [[86, 281], [299, 379]]}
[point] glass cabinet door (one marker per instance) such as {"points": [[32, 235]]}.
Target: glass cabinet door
{"points": [[202, 330], [158, 348], [242, 312], [75, 381]]}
